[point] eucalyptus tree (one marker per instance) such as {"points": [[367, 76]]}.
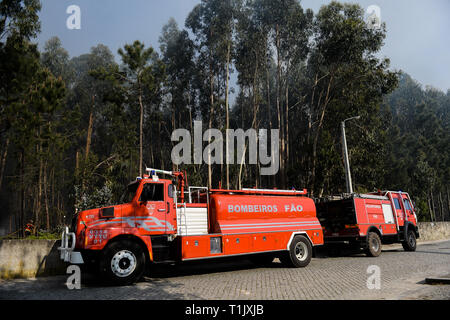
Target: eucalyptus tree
{"points": [[177, 53], [346, 79], [143, 71], [87, 96], [56, 59], [19, 22], [250, 58], [212, 23], [288, 28]]}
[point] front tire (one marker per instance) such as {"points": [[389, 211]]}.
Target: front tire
{"points": [[122, 263], [299, 254], [410, 243]]}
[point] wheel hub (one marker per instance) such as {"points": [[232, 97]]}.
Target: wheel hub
{"points": [[301, 251], [375, 245], [123, 263]]}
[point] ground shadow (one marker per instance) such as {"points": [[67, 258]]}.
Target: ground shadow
{"points": [[51, 264]]}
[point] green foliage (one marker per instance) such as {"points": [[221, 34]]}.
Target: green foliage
{"points": [[44, 235], [56, 59], [418, 144], [19, 19], [97, 199]]}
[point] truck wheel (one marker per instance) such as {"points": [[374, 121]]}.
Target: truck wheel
{"points": [[299, 254], [410, 243], [122, 263], [373, 248]]}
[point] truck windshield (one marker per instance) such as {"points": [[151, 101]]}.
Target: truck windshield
{"points": [[129, 193]]}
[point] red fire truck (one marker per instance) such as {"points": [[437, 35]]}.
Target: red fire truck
{"points": [[163, 221], [368, 220]]}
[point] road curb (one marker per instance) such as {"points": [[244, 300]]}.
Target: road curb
{"points": [[419, 243]]}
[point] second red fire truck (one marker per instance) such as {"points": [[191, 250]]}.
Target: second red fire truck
{"points": [[368, 220]]}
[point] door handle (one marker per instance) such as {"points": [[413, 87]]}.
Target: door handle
{"points": [[161, 210]]}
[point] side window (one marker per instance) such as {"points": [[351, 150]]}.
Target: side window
{"points": [[152, 192], [170, 191], [397, 204], [407, 205]]}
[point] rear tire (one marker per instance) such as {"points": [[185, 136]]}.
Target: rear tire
{"points": [[410, 243], [373, 246], [299, 254], [122, 263]]}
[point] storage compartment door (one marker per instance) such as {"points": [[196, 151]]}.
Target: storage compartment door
{"points": [[387, 213]]}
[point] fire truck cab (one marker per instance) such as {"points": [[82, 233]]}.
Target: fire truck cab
{"points": [[161, 221], [368, 220]]}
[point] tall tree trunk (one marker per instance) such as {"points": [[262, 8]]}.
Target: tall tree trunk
{"points": [[3, 161], [441, 206], [47, 213], [52, 183], [432, 205], [255, 124], [448, 203], [269, 117], [240, 168], [161, 160], [227, 125], [191, 123], [88, 145], [90, 129], [211, 113], [39, 195], [22, 192], [307, 159], [279, 112], [141, 130], [286, 121], [77, 160], [317, 133], [174, 167], [429, 208]]}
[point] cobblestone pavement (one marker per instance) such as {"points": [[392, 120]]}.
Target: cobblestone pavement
{"points": [[345, 277]]}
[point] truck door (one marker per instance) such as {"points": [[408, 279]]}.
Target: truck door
{"points": [[409, 210], [154, 208], [171, 213], [400, 214]]}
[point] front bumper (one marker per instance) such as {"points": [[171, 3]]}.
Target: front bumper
{"points": [[67, 253]]}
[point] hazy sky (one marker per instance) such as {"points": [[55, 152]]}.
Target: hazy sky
{"points": [[417, 39]]}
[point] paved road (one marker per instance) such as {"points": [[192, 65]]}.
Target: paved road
{"points": [[402, 276]]}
